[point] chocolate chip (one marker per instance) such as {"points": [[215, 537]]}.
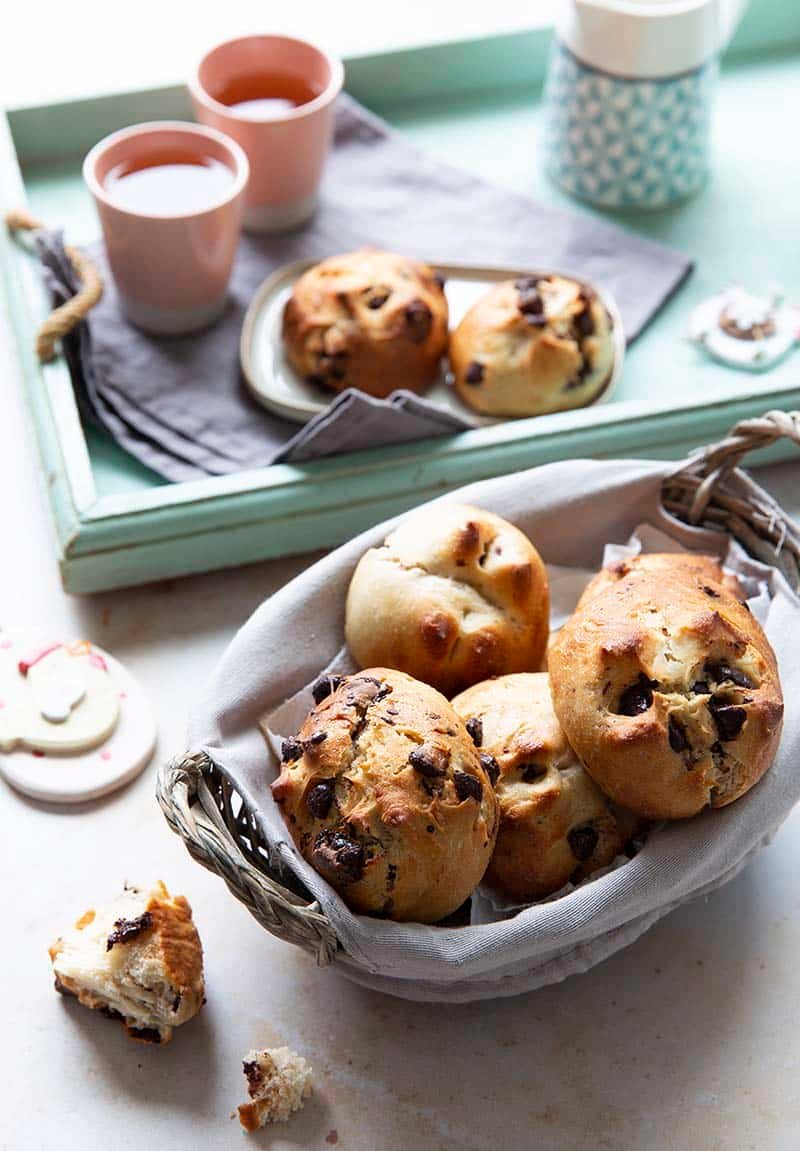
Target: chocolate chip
{"points": [[475, 728], [531, 305], [728, 721], [316, 739], [336, 373], [254, 1076], [335, 854], [315, 379], [720, 672], [419, 320], [176, 1002], [319, 797], [377, 300], [126, 929], [677, 735], [582, 842], [391, 876], [321, 688], [291, 749], [532, 772], [110, 1012], [491, 767], [584, 322], [710, 591], [700, 687], [467, 786], [474, 373], [430, 828], [146, 1034], [427, 762], [636, 698]]}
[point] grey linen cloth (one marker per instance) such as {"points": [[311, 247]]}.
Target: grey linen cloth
{"points": [[299, 631], [179, 404]]}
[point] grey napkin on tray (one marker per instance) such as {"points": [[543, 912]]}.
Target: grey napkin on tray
{"points": [[179, 404]]}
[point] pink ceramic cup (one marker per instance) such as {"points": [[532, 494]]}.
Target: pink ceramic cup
{"points": [[171, 269], [286, 152]]}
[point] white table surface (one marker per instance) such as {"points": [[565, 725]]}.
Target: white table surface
{"points": [[688, 1040]]}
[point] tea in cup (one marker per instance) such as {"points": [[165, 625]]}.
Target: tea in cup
{"points": [[170, 197], [275, 96]]}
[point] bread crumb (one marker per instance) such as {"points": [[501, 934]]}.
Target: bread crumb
{"points": [[277, 1082]]}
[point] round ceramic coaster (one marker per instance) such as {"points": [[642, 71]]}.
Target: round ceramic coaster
{"points": [[745, 331], [74, 723]]}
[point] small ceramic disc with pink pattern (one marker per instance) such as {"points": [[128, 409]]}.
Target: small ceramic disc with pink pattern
{"points": [[74, 723]]}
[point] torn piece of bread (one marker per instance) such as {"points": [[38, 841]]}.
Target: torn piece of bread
{"points": [[138, 960], [277, 1082]]}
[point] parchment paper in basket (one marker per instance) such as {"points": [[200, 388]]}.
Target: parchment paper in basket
{"points": [[566, 585]]}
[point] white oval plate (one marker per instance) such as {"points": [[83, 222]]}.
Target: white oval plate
{"points": [[276, 385]]}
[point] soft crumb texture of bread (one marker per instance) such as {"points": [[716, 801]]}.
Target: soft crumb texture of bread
{"points": [[138, 960], [277, 1082]]}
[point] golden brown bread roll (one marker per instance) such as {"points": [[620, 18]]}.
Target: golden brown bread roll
{"points": [[668, 690], [454, 595], [556, 825], [138, 960], [689, 563], [532, 345], [385, 795], [370, 320]]}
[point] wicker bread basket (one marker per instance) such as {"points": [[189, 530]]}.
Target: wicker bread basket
{"points": [[223, 832]]}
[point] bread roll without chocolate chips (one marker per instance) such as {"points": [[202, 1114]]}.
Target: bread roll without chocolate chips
{"points": [[454, 595]]}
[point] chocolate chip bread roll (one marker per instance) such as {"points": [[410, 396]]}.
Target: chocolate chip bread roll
{"points": [[386, 796], [370, 320], [532, 345], [138, 960], [454, 595], [556, 825], [672, 563], [668, 690]]}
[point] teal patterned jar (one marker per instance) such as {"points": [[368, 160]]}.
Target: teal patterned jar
{"points": [[628, 99]]}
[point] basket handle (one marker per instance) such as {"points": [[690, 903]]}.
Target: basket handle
{"points": [[718, 460], [198, 803], [708, 490]]}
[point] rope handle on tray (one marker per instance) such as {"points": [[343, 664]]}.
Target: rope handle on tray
{"points": [[68, 315], [198, 808]]}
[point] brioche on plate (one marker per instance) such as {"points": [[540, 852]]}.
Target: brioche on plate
{"points": [[454, 595], [668, 690], [556, 825], [138, 960], [386, 796], [370, 320], [533, 345]]}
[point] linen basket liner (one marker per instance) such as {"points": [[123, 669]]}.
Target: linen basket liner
{"points": [[571, 510]]}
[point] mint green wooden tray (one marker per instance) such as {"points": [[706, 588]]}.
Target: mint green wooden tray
{"points": [[475, 104]]}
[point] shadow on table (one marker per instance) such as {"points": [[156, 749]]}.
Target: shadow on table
{"points": [[628, 1055]]}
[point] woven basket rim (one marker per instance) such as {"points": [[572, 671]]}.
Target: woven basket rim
{"points": [[200, 801]]}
